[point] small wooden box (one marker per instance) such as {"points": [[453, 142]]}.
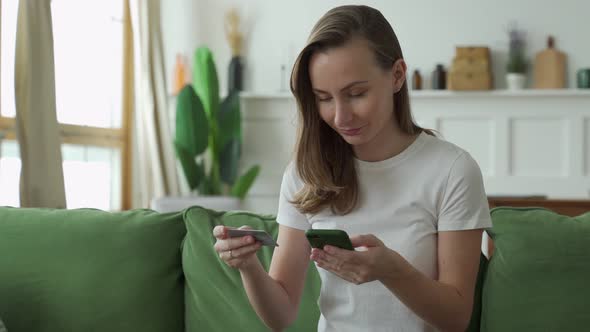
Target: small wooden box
{"points": [[469, 81], [471, 64], [472, 51]]}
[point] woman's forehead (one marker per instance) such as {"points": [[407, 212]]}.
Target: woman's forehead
{"points": [[342, 65]]}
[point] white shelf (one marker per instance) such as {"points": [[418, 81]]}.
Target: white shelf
{"points": [[266, 95], [501, 93], [451, 94]]}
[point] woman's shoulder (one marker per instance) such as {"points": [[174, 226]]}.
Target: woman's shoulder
{"points": [[442, 154], [440, 149], [290, 170], [291, 175]]}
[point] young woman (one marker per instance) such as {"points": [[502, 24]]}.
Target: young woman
{"points": [[413, 204]]}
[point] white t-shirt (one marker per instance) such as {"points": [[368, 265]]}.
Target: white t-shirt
{"points": [[431, 186]]}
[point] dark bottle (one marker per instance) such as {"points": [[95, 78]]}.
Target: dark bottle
{"points": [[416, 80], [439, 78], [235, 69]]}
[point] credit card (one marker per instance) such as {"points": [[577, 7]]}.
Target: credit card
{"points": [[261, 236]]}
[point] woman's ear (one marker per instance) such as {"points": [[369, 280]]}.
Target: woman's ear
{"points": [[399, 74]]}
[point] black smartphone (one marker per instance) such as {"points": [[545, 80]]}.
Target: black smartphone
{"points": [[318, 238]]}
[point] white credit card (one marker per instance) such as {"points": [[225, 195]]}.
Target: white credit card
{"points": [[261, 236]]}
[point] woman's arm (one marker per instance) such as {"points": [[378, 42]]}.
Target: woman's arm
{"points": [[275, 295], [445, 303]]}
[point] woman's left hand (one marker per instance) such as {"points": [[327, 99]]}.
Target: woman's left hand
{"points": [[357, 267]]}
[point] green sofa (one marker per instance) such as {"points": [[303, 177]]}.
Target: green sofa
{"points": [[89, 270]]}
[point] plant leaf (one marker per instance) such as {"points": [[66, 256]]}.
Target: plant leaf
{"points": [[242, 186], [204, 187], [215, 187], [205, 81], [192, 128], [193, 171], [229, 119], [228, 161]]}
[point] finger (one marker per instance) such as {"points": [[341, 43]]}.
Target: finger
{"points": [[334, 266], [315, 254], [338, 252], [226, 256], [343, 271], [323, 256], [233, 243], [219, 232], [367, 240], [246, 250], [329, 261]]}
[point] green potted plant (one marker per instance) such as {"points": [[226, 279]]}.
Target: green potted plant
{"points": [[208, 138], [517, 62]]}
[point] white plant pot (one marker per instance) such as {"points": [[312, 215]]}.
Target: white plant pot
{"points": [[515, 81], [218, 203]]}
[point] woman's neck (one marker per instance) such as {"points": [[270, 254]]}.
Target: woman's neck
{"points": [[388, 144]]}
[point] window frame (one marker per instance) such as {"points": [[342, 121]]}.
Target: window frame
{"points": [[117, 138]]}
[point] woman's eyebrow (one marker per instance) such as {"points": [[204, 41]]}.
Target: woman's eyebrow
{"points": [[344, 88]]}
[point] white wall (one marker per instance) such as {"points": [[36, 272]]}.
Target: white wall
{"points": [[428, 31], [181, 31]]}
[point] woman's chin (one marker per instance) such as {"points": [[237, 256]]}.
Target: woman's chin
{"points": [[354, 140]]}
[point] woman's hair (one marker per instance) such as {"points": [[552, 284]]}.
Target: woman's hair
{"points": [[324, 161]]}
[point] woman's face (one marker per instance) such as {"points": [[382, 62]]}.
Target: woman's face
{"points": [[354, 95]]}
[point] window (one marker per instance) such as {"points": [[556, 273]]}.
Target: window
{"points": [[88, 47], [88, 50], [9, 173]]}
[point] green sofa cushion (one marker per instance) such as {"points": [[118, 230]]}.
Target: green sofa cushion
{"points": [[215, 299], [89, 270], [539, 275]]}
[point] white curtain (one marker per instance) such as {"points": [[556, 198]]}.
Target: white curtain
{"points": [[41, 181], [155, 160]]}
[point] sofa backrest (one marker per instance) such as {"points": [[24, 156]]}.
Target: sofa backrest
{"points": [[89, 270], [539, 275]]}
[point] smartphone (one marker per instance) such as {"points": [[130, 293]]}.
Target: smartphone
{"points": [[260, 236], [318, 238]]}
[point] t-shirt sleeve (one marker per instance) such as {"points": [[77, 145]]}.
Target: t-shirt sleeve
{"points": [[464, 202], [287, 214]]}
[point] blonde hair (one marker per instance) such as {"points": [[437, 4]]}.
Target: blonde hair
{"points": [[324, 161]]}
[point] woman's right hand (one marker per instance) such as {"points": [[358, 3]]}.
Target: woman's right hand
{"points": [[237, 252]]}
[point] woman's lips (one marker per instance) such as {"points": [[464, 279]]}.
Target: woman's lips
{"points": [[351, 132]]}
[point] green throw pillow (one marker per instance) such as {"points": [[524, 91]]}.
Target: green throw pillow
{"points": [[89, 270], [538, 278], [215, 299]]}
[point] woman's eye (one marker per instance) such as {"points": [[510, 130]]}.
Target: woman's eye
{"points": [[323, 99], [357, 94]]}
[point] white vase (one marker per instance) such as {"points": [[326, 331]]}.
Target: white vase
{"points": [[178, 203], [515, 81]]}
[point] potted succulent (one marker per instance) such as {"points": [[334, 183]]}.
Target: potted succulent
{"points": [[208, 139], [517, 63]]}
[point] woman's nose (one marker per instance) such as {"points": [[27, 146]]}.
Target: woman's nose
{"points": [[343, 114]]}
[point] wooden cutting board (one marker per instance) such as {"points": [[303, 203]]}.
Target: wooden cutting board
{"points": [[549, 70]]}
